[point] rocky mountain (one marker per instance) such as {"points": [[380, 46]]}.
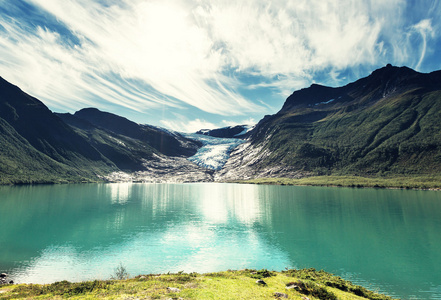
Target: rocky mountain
{"points": [[161, 140], [127, 143], [238, 132], [37, 145], [386, 123]]}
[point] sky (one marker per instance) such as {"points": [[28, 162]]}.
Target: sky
{"points": [[192, 64]]}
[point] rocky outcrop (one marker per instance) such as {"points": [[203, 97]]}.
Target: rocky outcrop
{"points": [[4, 279]]}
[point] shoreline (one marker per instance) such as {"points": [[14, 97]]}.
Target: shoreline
{"points": [[420, 182], [243, 284]]}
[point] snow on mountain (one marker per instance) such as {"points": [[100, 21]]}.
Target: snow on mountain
{"points": [[215, 151], [246, 129]]}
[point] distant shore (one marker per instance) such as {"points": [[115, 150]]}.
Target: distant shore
{"points": [[420, 182], [417, 182]]}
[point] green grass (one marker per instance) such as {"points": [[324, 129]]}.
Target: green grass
{"points": [[403, 182], [398, 135], [220, 285]]}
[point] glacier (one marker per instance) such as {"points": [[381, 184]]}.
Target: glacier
{"points": [[214, 152]]}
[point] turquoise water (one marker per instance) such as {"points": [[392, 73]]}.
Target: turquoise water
{"points": [[386, 240]]}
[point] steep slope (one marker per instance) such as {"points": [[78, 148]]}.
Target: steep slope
{"points": [[126, 153], [41, 128], [37, 145], [163, 141], [22, 163], [386, 123], [127, 144]]}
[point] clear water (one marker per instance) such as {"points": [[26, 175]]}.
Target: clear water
{"points": [[386, 240]]}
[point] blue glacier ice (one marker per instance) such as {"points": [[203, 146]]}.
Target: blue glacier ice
{"points": [[215, 151]]}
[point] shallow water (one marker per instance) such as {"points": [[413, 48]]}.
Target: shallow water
{"points": [[386, 240]]}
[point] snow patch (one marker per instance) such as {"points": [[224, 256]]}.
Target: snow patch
{"points": [[326, 102], [246, 128]]}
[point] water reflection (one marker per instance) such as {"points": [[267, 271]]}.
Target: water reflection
{"points": [[120, 192], [150, 228], [220, 205], [388, 240]]}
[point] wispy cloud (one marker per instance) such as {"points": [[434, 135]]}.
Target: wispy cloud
{"points": [[145, 55], [188, 126], [249, 121], [424, 28]]}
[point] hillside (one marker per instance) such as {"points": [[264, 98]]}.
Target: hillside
{"points": [[39, 146], [386, 124], [244, 284], [383, 124], [36, 146], [126, 143]]}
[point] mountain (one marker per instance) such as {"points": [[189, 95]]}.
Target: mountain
{"points": [[238, 132], [39, 146], [126, 143], [385, 123], [165, 142], [36, 146]]}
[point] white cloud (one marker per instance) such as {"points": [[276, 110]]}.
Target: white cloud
{"points": [[424, 28], [188, 126], [150, 54], [249, 121], [155, 42]]}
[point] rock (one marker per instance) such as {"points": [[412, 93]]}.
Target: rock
{"points": [[173, 290], [291, 285], [280, 295], [4, 279], [298, 286], [305, 298], [261, 282]]}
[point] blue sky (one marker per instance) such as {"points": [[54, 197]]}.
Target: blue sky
{"points": [[192, 64]]}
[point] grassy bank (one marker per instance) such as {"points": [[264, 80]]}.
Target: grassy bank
{"points": [[404, 182], [296, 284]]}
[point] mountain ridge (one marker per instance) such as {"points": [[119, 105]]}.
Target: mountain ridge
{"points": [[39, 146], [386, 123]]}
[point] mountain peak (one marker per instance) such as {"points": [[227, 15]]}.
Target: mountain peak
{"points": [[380, 83], [391, 71]]}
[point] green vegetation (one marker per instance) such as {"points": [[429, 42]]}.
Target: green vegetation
{"points": [[38, 146], [317, 279], [121, 272], [372, 129], [21, 163], [220, 285], [401, 182]]}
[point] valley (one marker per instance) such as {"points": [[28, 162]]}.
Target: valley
{"points": [[385, 125]]}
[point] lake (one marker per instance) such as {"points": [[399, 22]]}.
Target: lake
{"points": [[386, 240]]}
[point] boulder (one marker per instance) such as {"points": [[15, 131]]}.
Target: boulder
{"points": [[280, 295], [261, 282], [173, 290]]}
